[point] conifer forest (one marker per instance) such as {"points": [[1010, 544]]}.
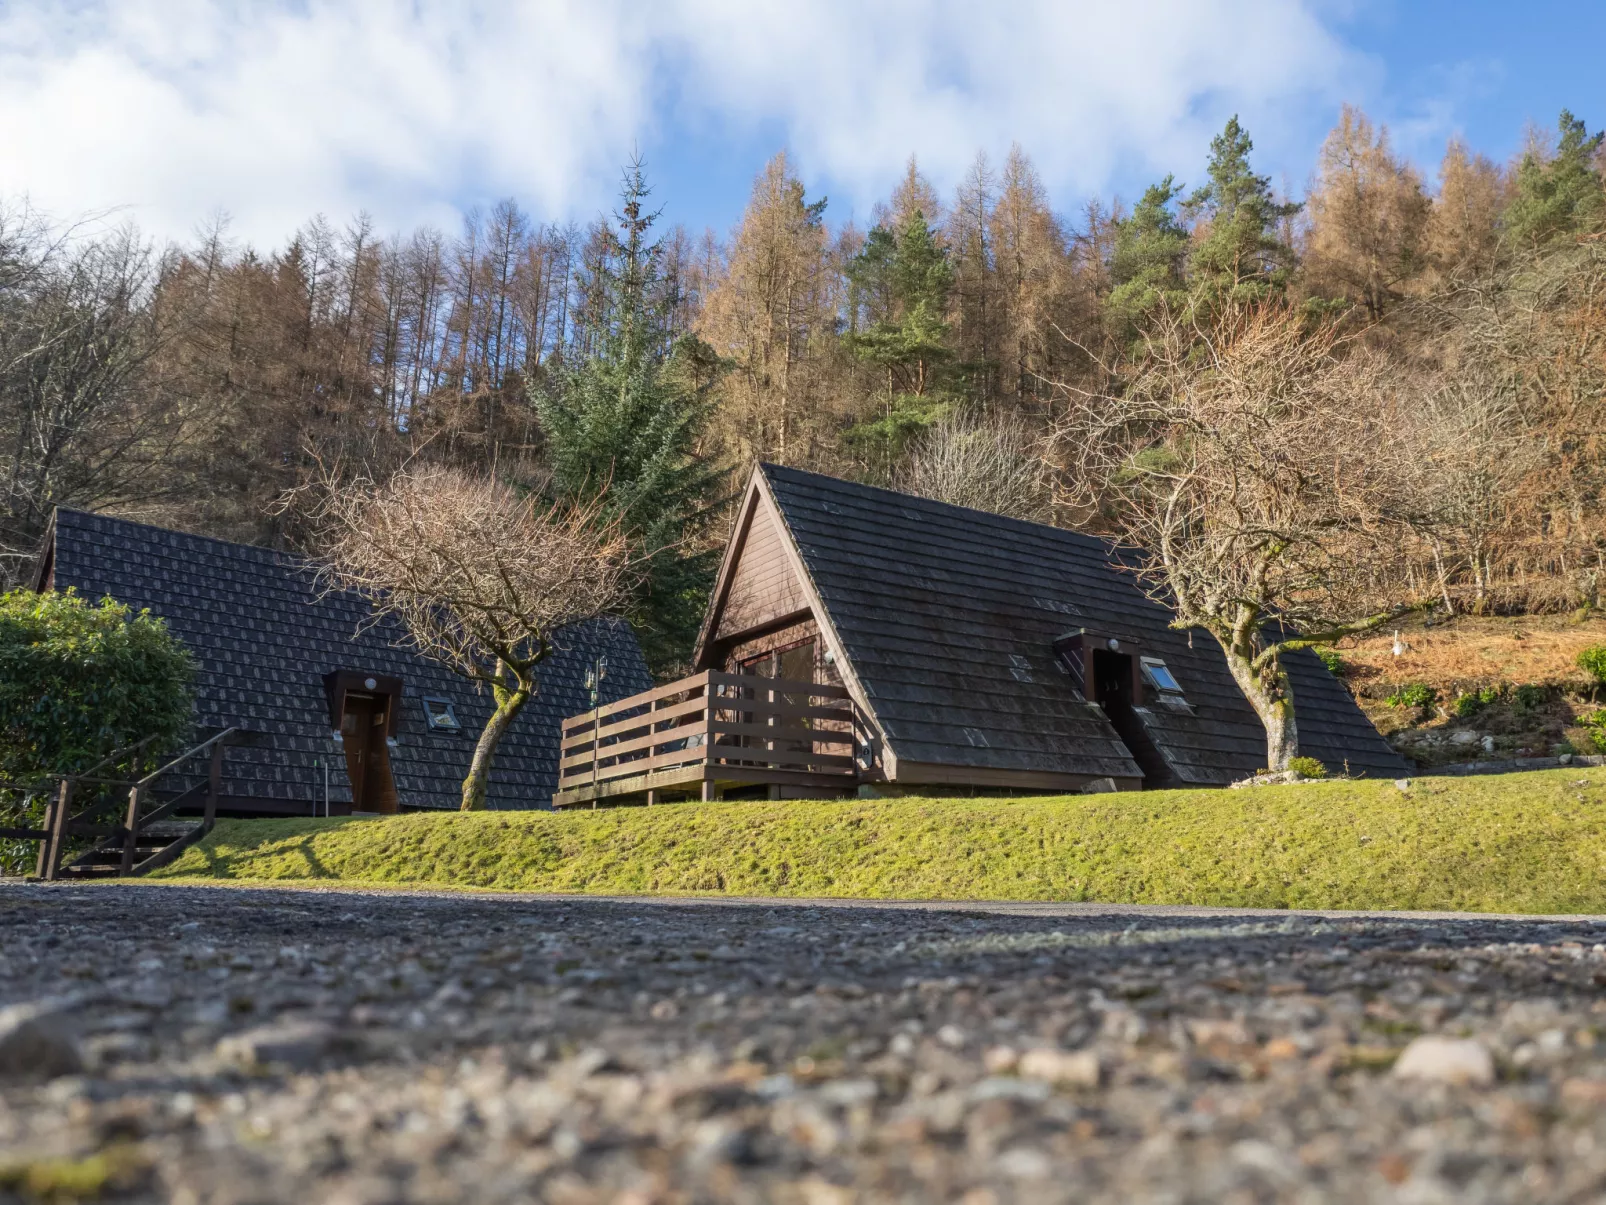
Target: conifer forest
{"points": [[949, 345]]}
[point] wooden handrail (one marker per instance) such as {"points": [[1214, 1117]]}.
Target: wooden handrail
{"points": [[184, 757], [598, 714], [111, 758]]}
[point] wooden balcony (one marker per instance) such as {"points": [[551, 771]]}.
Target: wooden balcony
{"points": [[710, 735]]}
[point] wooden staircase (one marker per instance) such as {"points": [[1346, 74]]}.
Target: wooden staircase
{"points": [[151, 833]]}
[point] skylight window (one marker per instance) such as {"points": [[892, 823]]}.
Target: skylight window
{"points": [[441, 716], [1156, 672], [1157, 675]]}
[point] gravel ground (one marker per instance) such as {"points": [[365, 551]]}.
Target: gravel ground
{"points": [[250, 1045]]}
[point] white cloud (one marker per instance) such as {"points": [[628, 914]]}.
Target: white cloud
{"points": [[275, 110]]}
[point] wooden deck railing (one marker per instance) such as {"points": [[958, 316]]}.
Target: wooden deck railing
{"points": [[713, 719], [127, 848]]}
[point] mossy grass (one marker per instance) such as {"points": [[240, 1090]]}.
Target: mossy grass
{"points": [[1528, 843]]}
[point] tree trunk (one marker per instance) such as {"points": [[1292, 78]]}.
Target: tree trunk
{"points": [[508, 704], [1270, 694]]}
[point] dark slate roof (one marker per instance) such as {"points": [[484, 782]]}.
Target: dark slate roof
{"points": [[263, 639], [948, 617]]}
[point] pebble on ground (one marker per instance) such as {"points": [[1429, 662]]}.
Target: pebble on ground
{"points": [[215, 1046]]}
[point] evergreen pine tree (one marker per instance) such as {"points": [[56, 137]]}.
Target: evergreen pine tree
{"points": [[1146, 266], [901, 281], [624, 422], [1241, 256], [1561, 194]]}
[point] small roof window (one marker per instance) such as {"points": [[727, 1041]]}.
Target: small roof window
{"points": [[440, 715], [1159, 676]]}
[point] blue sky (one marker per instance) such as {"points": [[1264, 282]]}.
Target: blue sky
{"points": [[416, 109]]}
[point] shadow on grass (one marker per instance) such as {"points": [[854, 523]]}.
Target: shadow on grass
{"points": [[221, 863]]}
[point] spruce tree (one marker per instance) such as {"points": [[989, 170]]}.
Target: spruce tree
{"points": [[1559, 195], [1242, 257], [624, 423]]}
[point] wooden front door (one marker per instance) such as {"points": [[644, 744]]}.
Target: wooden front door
{"points": [[364, 721]]}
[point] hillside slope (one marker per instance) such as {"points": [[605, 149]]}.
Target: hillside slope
{"points": [[1479, 688]]}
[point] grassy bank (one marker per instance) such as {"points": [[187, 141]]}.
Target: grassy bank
{"points": [[1507, 843]]}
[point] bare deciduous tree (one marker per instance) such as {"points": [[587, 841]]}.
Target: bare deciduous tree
{"points": [[1249, 465], [480, 579], [992, 463], [83, 419]]}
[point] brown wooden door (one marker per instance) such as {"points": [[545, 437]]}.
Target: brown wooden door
{"points": [[363, 724]]}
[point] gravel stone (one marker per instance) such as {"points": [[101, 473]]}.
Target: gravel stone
{"points": [[1446, 1060], [1079, 1068], [298, 1046], [34, 1044], [419, 1048]]}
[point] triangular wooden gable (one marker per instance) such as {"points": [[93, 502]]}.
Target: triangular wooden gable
{"points": [[762, 585]]}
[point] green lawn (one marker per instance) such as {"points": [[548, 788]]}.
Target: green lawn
{"points": [[1504, 843]]}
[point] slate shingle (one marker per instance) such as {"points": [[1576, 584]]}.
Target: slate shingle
{"points": [[949, 615], [263, 637]]}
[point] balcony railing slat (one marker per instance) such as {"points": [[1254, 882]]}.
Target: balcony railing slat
{"points": [[748, 726], [665, 737], [778, 732]]}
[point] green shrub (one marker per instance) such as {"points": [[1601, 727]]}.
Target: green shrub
{"points": [[1468, 705], [77, 682], [1597, 730], [1332, 660], [1593, 662], [1529, 698], [1307, 767], [1414, 694]]}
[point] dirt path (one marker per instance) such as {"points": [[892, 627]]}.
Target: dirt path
{"points": [[364, 1048]]}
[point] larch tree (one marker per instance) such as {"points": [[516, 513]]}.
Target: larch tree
{"points": [[1463, 231], [1248, 466], [975, 311], [913, 194], [479, 578], [1368, 219], [1031, 263], [770, 313]]}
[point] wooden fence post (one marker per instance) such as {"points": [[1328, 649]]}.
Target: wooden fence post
{"points": [[596, 745], [131, 837], [214, 784], [44, 844], [56, 833], [709, 791]]}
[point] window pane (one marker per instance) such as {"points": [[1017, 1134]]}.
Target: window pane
{"points": [[1161, 676]]}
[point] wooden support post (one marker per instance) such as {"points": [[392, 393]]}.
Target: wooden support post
{"points": [[596, 743], [214, 785], [131, 836], [56, 834], [44, 843]]}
